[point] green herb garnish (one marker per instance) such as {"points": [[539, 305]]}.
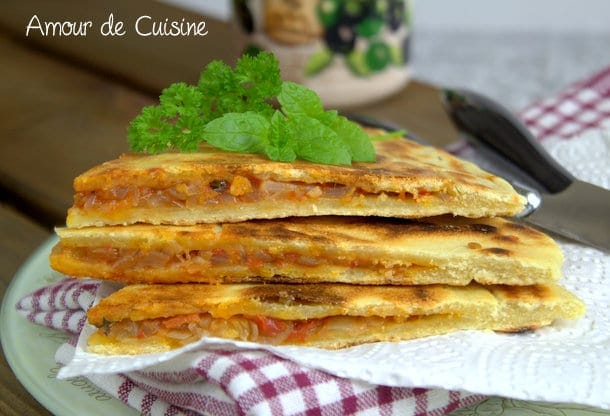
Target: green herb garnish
{"points": [[249, 109]]}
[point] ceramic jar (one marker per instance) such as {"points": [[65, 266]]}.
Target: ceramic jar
{"points": [[350, 51]]}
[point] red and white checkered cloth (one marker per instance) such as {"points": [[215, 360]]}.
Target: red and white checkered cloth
{"points": [[227, 382], [257, 382], [582, 106]]}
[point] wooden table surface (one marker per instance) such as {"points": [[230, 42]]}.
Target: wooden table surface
{"points": [[65, 107]]}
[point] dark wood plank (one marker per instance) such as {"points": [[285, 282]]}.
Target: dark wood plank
{"points": [[150, 63], [20, 237], [417, 108], [14, 398], [59, 122]]}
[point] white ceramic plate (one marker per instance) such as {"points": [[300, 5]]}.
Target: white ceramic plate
{"points": [[30, 351]]}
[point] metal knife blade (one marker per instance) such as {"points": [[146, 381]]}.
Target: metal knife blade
{"points": [[569, 207], [579, 212]]}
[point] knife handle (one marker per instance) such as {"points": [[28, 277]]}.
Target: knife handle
{"points": [[495, 126]]}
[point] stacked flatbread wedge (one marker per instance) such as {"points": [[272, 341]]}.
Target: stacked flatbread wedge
{"points": [[237, 246]]}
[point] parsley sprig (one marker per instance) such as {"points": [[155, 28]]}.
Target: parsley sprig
{"points": [[249, 109]]}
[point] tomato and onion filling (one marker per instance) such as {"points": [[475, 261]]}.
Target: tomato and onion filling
{"points": [[122, 260], [184, 329], [239, 190]]}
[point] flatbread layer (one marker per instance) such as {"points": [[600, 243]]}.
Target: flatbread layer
{"points": [[407, 180], [152, 318], [358, 250]]}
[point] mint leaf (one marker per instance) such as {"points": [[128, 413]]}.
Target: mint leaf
{"points": [[329, 118], [297, 100], [356, 139], [315, 142], [279, 146], [238, 132], [352, 135]]}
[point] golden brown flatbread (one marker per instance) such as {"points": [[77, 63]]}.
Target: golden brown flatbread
{"points": [[407, 180], [152, 318], [358, 250]]}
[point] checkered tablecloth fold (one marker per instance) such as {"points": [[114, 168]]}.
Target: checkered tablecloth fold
{"points": [[581, 106], [60, 306]]}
